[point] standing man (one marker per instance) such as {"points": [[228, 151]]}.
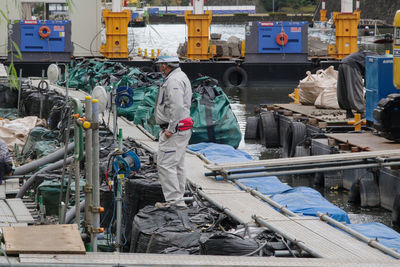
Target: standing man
{"points": [[172, 113]]}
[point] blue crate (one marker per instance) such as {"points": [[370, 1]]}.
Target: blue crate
{"points": [[32, 42], [378, 82], [268, 32]]}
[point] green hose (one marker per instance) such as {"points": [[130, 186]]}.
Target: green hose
{"points": [[78, 130]]}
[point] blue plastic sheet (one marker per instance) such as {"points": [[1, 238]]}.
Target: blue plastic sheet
{"points": [[303, 200], [385, 235], [308, 201], [268, 185], [219, 153]]}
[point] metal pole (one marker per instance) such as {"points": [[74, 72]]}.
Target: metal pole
{"points": [[19, 91], [371, 242], [313, 170], [88, 166], [77, 179], [283, 209], [95, 173], [119, 197], [292, 239], [296, 167], [61, 220], [273, 5], [115, 115]]}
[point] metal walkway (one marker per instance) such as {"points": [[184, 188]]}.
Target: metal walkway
{"points": [[335, 247]]}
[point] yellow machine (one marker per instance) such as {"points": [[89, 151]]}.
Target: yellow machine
{"points": [[322, 12], [116, 22], [396, 51], [198, 24], [346, 24]]}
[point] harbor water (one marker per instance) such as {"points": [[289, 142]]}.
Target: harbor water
{"points": [[244, 101]]}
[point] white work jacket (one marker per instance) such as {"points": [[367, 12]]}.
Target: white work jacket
{"points": [[173, 100]]}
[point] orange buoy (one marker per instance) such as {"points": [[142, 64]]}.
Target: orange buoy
{"points": [[44, 32], [282, 39]]}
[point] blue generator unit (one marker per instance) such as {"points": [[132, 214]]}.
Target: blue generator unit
{"points": [[42, 40], [283, 41], [379, 82]]}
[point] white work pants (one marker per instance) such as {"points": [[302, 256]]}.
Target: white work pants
{"points": [[171, 165]]}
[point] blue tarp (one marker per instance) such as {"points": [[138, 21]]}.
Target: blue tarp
{"points": [[303, 200], [268, 185], [219, 153], [386, 236], [308, 201]]}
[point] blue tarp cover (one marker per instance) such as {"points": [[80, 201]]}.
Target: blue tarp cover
{"points": [[268, 185], [386, 236], [303, 200], [308, 201], [219, 153]]}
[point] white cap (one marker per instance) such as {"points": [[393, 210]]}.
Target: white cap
{"points": [[170, 60]]}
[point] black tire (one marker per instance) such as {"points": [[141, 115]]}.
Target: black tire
{"points": [[251, 131], [235, 76], [295, 135], [319, 179], [268, 130], [354, 196], [396, 211], [369, 193]]}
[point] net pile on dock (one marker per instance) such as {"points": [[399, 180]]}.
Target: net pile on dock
{"points": [[214, 120]]}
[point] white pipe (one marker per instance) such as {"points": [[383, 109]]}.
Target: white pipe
{"points": [[323, 4], [198, 6], [347, 6], [95, 171], [358, 5], [116, 5], [88, 167]]}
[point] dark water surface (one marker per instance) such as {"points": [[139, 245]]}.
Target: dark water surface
{"points": [[244, 101]]}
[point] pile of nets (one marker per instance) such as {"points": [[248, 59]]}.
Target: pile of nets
{"points": [[213, 118]]}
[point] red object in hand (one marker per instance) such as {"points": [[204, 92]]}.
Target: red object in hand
{"points": [[185, 124]]}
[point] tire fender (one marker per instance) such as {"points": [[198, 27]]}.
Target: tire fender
{"points": [[235, 76]]}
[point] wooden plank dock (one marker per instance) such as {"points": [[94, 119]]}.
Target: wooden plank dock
{"points": [[335, 247], [365, 141], [326, 115]]}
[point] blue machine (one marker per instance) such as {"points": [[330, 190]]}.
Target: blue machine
{"points": [[124, 98], [127, 163], [379, 82], [281, 37], [32, 41]]}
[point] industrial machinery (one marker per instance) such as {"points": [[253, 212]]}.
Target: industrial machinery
{"points": [[387, 114], [378, 84], [322, 12], [276, 42], [198, 23], [346, 24], [116, 21], [396, 51], [41, 40]]}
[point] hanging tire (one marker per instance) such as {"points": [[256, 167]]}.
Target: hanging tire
{"points": [[251, 131], [295, 135], [354, 196], [396, 211], [369, 193], [235, 76], [268, 130]]}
